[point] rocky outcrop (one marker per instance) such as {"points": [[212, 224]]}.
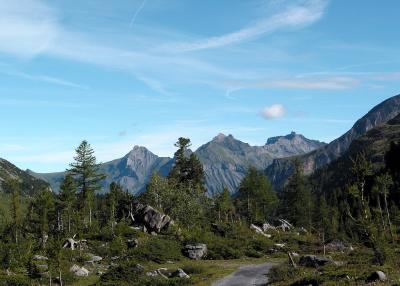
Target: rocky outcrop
{"points": [[152, 219], [281, 169], [196, 251], [79, 271]]}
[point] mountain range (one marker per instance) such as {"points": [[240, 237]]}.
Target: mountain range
{"points": [[226, 159]]}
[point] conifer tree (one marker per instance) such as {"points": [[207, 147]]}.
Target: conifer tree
{"points": [[256, 198], [13, 185], [85, 171], [296, 203], [67, 198], [224, 205], [187, 169]]}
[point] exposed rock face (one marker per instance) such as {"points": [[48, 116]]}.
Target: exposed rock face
{"points": [[281, 169], [152, 219], [226, 160], [314, 261], [196, 251], [29, 184]]}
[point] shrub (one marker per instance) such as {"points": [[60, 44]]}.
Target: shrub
{"points": [[193, 269], [159, 250], [13, 281]]}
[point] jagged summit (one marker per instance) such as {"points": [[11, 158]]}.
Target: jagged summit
{"points": [[221, 137], [273, 140]]}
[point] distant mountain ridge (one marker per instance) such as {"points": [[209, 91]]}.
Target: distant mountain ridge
{"points": [[29, 185], [282, 168], [225, 161]]}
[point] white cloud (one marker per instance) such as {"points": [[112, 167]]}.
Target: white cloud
{"points": [[292, 17], [274, 111], [26, 27]]}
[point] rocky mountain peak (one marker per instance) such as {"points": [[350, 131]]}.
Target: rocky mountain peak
{"points": [[291, 136], [221, 137]]}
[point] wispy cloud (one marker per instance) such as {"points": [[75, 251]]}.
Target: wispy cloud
{"points": [[138, 10], [292, 17], [44, 78]]}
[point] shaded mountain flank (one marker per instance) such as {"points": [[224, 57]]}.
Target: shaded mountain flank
{"points": [[282, 168], [28, 184]]}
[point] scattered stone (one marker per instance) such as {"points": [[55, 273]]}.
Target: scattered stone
{"points": [[196, 251], [338, 245], [73, 244], [295, 254], [280, 245], [132, 243], [180, 274], [39, 257], [377, 276], [158, 272], [95, 259], [314, 261], [259, 230], [267, 226], [79, 271], [115, 258]]}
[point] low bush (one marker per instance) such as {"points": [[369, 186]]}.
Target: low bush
{"points": [[159, 250]]}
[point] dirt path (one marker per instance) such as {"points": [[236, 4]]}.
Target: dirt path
{"points": [[247, 275]]}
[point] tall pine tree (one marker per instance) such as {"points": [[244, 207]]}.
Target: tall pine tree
{"points": [[85, 171]]}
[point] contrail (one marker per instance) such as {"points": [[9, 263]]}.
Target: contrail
{"points": [[137, 13]]}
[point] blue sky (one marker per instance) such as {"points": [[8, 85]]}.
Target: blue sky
{"points": [[145, 72]]}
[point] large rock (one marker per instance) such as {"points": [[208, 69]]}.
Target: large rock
{"points": [[152, 219], [314, 261], [377, 276], [180, 274], [79, 271], [196, 251]]}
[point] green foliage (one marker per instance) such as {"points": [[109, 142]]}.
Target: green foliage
{"points": [[296, 202], [159, 250], [14, 281], [256, 199], [187, 169], [85, 171]]}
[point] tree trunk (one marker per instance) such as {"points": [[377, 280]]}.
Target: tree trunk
{"points": [[378, 198], [388, 217]]}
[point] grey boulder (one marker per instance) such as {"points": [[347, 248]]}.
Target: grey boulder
{"points": [[196, 251]]}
